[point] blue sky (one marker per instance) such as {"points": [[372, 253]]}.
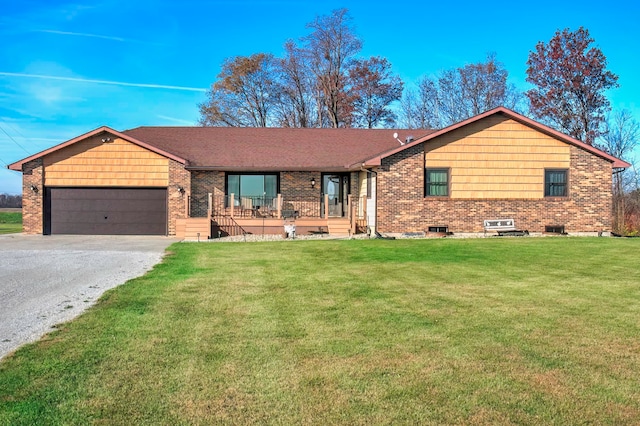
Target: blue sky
{"points": [[69, 67]]}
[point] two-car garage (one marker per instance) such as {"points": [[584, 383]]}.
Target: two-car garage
{"points": [[105, 211]]}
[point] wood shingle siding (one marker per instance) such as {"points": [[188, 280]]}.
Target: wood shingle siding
{"points": [[497, 158], [113, 163]]}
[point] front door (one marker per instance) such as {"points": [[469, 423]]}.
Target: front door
{"points": [[336, 187]]}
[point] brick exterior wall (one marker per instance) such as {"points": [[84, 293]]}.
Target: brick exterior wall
{"points": [[33, 201], [203, 183], [177, 201], [293, 186], [298, 185], [402, 206]]}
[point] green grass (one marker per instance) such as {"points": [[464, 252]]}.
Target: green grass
{"points": [[479, 331], [10, 222]]}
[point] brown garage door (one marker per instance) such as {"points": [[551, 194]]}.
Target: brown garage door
{"points": [[106, 211]]}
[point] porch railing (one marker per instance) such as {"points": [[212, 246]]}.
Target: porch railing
{"points": [[281, 206], [226, 226]]}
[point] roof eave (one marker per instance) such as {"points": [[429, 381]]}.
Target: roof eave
{"points": [[17, 166], [254, 169]]}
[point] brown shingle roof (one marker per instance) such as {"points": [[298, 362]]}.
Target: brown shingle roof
{"points": [[270, 149]]}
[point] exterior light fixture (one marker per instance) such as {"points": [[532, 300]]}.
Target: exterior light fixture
{"points": [[181, 190], [34, 188], [313, 182]]}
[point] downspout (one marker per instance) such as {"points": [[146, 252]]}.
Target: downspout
{"points": [[375, 206]]}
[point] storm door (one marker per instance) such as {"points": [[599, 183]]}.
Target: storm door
{"points": [[336, 187]]}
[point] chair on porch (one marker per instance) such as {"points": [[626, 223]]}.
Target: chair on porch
{"points": [[289, 211], [246, 206]]}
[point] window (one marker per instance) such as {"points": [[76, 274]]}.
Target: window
{"points": [[437, 182], [439, 229], [261, 188], [369, 184], [554, 229], [555, 183]]}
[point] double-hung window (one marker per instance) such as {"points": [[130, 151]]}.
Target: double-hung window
{"points": [[436, 182], [555, 183]]}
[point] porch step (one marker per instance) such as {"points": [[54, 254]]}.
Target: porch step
{"points": [[189, 228], [339, 226]]}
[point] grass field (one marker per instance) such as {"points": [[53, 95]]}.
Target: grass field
{"points": [[478, 331], [10, 222]]}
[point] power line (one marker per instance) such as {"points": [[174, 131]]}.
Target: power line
{"points": [[6, 123], [14, 141]]}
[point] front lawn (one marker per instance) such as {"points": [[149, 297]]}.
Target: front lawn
{"points": [[478, 331], [10, 222]]}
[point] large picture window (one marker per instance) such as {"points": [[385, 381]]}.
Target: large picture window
{"points": [[555, 183], [437, 182], [260, 188]]}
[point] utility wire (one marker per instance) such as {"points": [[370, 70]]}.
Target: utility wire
{"points": [[11, 127], [14, 141]]}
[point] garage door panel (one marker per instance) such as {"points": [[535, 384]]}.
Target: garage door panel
{"points": [[107, 211], [106, 206], [88, 217]]}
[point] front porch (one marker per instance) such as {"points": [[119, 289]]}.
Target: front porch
{"points": [[228, 215]]}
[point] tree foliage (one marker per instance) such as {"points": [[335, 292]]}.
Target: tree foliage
{"points": [[243, 95], [457, 94], [318, 83], [570, 79], [296, 105], [331, 47], [373, 89]]}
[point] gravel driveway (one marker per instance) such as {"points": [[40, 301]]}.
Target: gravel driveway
{"points": [[46, 280]]}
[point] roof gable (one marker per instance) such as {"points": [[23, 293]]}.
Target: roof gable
{"points": [[100, 130], [616, 162]]}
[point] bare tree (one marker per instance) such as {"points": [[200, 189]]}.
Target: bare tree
{"points": [[620, 139], [330, 47], [244, 93], [373, 89], [460, 93], [621, 134], [10, 201], [296, 104]]}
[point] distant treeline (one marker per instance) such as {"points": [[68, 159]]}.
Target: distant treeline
{"points": [[10, 201]]}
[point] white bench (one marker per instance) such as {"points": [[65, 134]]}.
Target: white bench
{"points": [[499, 225], [503, 227]]}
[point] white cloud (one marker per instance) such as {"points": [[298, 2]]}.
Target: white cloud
{"points": [[82, 35], [110, 82], [177, 120]]}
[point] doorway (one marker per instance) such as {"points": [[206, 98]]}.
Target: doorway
{"points": [[336, 187]]}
